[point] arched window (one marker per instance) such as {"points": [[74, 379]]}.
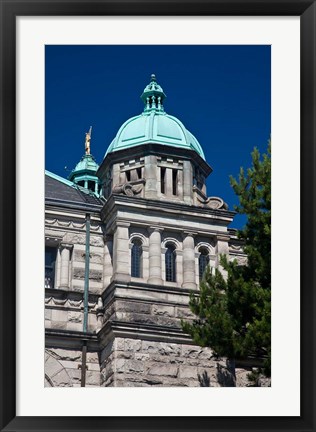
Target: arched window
{"points": [[136, 261], [170, 258], [204, 260]]}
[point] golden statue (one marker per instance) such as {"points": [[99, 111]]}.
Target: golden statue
{"points": [[88, 139]]}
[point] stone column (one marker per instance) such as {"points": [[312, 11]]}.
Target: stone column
{"points": [[189, 261], [180, 184], [151, 177], [222, 248], [155, 255], [187, 182], [115, 174], [64, 265], [121, 261]]}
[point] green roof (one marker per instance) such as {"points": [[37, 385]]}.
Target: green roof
{"points": [[154, 125], [87, 165]]}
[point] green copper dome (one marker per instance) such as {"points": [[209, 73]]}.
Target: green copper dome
{"points": [[154, 125], [84, 173], [86, 164]]}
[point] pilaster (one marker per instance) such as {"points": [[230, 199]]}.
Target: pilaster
{"points": [[187, 182], [189, 280], [121, 252], [155, 255], [151, 177], [65, 249]]}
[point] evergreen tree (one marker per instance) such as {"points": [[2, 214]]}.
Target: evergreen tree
{"points": [[234, 312]]}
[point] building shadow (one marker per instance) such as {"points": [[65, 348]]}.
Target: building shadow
{"points": [[204, 380]]}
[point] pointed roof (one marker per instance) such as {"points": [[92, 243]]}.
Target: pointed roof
{"points": [[59, 189]]}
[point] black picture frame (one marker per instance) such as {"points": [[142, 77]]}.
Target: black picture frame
{"points": [[10, 9]]}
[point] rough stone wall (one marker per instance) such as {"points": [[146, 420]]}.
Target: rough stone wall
{"points": [[140, 363], [63, 368]]}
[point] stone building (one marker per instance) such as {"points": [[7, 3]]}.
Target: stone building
{"points": [[126, 243]]}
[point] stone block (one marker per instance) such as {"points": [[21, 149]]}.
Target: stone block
{"points": [[191, 351], [95, 257], [74, 326], [169, 349], [135, 307], [119, 344], [62, 379], [120, 365], [94, 275], [142, 356], [150, 347], [93, 378], [134, 366], [188, 372], [75, 376], [167, 311], [62, 354], [166, 321], [163, 370], [206, 354], [59, 315], [67, 364], [48, 314], [125, 355], [93, 367], [52, 366], [74, 316], [61, 325], [92, 357], [184, 313], [132, 345]]}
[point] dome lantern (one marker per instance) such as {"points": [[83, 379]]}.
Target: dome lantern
{"points": [[153, 95]]}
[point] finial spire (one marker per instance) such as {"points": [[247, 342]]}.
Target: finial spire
{"points": [[87, 142], [153, 95]]}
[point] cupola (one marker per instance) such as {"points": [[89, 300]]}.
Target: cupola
{"points": [[84, 174], [154, 156], [154, 126]]}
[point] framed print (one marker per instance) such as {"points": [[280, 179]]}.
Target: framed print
{"points": [[134, 228]]}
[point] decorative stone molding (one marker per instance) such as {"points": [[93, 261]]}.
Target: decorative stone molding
{"points": [[130, 188], [139, 236], [202, 200], [172, 240], [52, 301], [241, 260], [205, 245], [71, 224], [236, 247]]}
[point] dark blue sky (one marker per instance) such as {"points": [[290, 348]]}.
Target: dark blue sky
{"points": [[222, 94]]}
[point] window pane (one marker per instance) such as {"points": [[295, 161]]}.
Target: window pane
{"points": [[170, 264], [136, 263], [203, 262]]}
